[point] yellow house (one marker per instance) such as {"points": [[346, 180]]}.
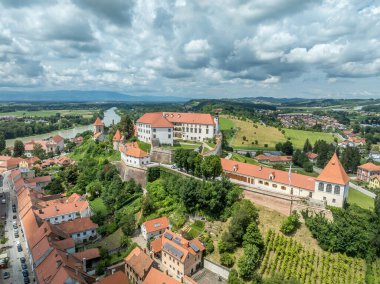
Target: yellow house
{"points": [[374, 181]]}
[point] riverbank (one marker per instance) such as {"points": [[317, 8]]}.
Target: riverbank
{"points": [[110, 117]]}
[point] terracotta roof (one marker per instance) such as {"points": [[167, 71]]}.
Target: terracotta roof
{"points": [[117, 278], [264, 173], [88, 254], [57, 138], [98, 122], [117, 136], [157, 277], [312, 155], [371, 167], [77, 225], [156, 224], [52, 210], [133, 150], [65, 244], [167, 119], [39, 179], [334, 172], [274, 158], [139, 261]]}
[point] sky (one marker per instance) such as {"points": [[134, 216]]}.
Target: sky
{"points": [[194, 49]]}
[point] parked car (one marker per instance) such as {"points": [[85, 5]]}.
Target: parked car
{"points": [[14, 209], [15, 227], [23, 266], [14, 217], [3, 201], [22, 259], [25, 273], [17, 235], [6, 275], [19, 248], [26, 280]]}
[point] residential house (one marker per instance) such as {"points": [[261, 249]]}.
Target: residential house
{"points": [[366, 171], [98, 130], [8, 163], [38, 183], [117, 278], [312, 157], [332, 176], [81, 230], [137, 266], [52, 145], [374, 182], [164, 127], [157, 277], [179, 257], [155, 227], [133, 156]]}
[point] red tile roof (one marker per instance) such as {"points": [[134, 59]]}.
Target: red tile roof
{"points": [[117, 136], [296, 180], [88, 254], [133, 150], [334, 172], [156, 224], [39, 179], [57, 138], [98, 122], [167, 119], [117, 278], [371, 167], [157, 277], [139, 261], [77, 225], [274, 158], [312, 155]]}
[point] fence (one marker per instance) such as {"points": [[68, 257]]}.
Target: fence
{"points": [[218, 269], [362, 190]]}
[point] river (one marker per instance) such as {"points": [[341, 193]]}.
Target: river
{"points": [[110, 116]]}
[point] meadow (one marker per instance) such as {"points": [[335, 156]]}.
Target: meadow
{"points": [[46, 113], [360, 199]]}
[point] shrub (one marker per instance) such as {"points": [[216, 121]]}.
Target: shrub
{"points": [[290, 224], [226, 259]]}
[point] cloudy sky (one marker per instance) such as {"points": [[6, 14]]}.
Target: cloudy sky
{"points": [[190, 48]]}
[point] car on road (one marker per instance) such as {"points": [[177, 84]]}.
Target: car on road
{"points": [[6, 275], [22, 259], [19, 247], [23, 266], [15, 226], [14, 209], [26, 280], [14, 217], [25, 273], [16, 236], [173, 167]]}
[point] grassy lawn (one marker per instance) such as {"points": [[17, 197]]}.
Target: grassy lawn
{"points": [[298, 137], [46, 113], [225, 123], [243, 159], [98, 206], [196, 229], [264, 135], [360, 199], [110, 242], [144, 146]]}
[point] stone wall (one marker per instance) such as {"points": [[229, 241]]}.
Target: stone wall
{"points": [[218, 269], [162, 156]]}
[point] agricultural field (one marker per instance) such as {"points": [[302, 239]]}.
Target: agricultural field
{"points": [[45, 113], [225, 123], [360, 199], [251, 131], [298, 137], [243, 159], [289, 258]]}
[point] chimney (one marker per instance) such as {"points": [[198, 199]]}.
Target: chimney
{"points": [[167, 272], [67, 256], [260, 168], [145, 250], [84, 260]]}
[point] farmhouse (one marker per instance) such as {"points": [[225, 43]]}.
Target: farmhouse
{"points": [[167, 126], [366, 171], [331, 186]]}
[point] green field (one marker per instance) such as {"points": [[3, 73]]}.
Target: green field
{"points": [[46, 113], [298, 137], [360, 199], [243, 159], [225, 123]]}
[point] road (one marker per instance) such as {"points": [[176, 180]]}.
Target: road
{"points": [[14, 256]]}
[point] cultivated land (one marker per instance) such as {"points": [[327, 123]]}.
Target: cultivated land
{"points": [[267, 135], [46, 113]]}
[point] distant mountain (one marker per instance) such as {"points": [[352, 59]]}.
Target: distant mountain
{"points": [[82, 96]]}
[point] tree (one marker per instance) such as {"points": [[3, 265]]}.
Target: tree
{"points": [[2, 142], [38, 151], [55, 186], [287, 148], [211, 167], [128, 223], [153, 173], [18, 149], [126, 126], [350, 159], [248, 262], [233, 277], [291, 224], [307, 147], [226, 259], [253, 236]]}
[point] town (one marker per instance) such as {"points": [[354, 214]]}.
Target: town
{"points": [[124, 202]]}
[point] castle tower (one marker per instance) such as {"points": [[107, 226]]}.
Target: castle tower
{"points": [[117, 140], [98, 129]]}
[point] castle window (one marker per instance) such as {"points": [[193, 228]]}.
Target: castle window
{"points": [[337, 189], [321, 186], [274, 185], [328, 188], [333, 201]]}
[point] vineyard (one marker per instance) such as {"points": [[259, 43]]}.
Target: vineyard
{"points": [[287, 257]]}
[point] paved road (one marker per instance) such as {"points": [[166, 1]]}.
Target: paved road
{"points": [[14, 256]]}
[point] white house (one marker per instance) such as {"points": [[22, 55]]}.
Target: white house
{"points": [[167, 126], [331, 186], [133, 156], [155, 227], [81, 229]]}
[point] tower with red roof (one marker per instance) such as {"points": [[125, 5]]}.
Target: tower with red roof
{"points": [[98, 129]]}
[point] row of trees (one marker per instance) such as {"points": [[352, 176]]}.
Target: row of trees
{"points": [[193, 163]]}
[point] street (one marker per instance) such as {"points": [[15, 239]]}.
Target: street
{"points": [[14, 265]]}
